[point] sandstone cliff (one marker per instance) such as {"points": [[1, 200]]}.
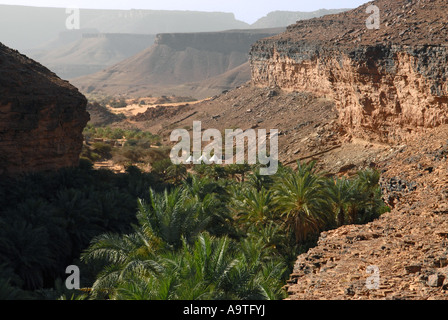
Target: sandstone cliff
{"points": [[387, 83], [41, 117]]}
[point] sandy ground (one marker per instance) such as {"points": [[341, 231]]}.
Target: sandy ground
{"points": [[134, 109]]}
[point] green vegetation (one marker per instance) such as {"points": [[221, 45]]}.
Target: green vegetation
{"points": [[220, 233], [136, 146], [48, 219], [115, 103]]}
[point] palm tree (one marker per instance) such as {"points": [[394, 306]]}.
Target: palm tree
{"points": [[176, 172], [257, 274], [10, 292], [341, 194], [136, 286], [258, 181], [368, 179], [239, 169], [370, 204], [212, 197], [216, 172], [25, 248], [121, 255], [164, 223], [10, 285], [301, 198], [81, 218], [200, 169], [172, 217], [196, 186], [209, 261], [254, 207]]}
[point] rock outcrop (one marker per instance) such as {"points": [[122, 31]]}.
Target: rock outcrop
{"points": [[41, 117], [401, 256], [387, 83]]}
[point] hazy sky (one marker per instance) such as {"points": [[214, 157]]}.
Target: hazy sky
{"points": [[245, 10]]}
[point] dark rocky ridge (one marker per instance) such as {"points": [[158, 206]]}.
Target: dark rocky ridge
{"points": [[41, 117]]}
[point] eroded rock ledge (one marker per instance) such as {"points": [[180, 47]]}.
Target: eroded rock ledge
{"points": [[41, 117], [387, 92], [385, 86]]}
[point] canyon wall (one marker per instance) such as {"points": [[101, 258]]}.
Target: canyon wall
{"points": [[385, 86], [387, 91], [41, 117]]}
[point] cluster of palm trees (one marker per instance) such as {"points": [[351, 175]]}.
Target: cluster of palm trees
{"points": [[212, 236], [48, 219], [211, 233]]}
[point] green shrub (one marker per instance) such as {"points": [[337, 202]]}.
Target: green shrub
{"points": [[104, 150]]}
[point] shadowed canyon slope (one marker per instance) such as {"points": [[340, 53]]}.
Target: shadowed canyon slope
{"points": [[41, 117], [196, 64], [387, 83]]}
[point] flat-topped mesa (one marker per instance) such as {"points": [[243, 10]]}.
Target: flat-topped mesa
{"points": [[387, 83], [41, 117], [223, 41]]}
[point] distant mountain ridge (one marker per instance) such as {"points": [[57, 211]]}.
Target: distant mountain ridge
{"points": [[284, 18], [25, 27], [193, 63], [91, 53], [196, 64]]}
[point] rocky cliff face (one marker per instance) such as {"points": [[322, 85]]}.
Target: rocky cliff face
{"points": [[401, 256], [387, 83], [41, 117]]}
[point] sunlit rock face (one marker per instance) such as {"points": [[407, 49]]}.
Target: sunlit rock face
{"points": [[387, 83]]}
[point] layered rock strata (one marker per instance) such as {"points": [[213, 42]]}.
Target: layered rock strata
{"points": [[387, 83], [41, 117]]}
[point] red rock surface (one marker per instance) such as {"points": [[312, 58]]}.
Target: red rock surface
{"points": [[41, 117]]}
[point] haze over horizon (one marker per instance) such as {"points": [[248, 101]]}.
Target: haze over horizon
{"points": [[247, 11]]}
